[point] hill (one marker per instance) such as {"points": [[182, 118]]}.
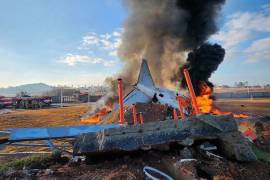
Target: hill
{"points": [[32, 89]]}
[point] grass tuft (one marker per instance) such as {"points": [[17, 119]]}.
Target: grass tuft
{"points": [[262, 155], [40, 161]]}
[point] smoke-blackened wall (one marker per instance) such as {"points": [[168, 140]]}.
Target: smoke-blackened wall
{"points": [[201, 63], [162, 31]]}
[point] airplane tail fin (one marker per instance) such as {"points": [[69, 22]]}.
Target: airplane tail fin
{"points": [[145, 77]]}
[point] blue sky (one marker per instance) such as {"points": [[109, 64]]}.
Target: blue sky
{"points": [[74, 42]]}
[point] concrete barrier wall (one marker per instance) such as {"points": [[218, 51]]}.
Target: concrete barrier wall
{"points": [[242, 95]]}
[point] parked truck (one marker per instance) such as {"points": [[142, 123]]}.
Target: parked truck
{"points": [[6, 102], [25, 102], [29, 102]]}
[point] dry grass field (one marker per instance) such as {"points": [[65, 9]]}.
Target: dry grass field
{"points": [[71, 115], [44, 117], [40, 118], [258, 106]]}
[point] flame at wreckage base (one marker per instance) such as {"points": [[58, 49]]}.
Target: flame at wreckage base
{"points": [[205, 103], [97, 116]]}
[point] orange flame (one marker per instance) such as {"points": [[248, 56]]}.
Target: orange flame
{"points": [[248, 130], [206, 103], [240, 115], [98, 116]]}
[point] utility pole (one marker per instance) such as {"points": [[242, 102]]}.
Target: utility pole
{"points": [[61, 96], [88, 100], [250, 94]]}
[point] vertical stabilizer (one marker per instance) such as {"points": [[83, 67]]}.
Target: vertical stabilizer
{"points": [[145, 77]]}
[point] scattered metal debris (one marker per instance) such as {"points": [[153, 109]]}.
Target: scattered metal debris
{"points": [[203, 127], [149, 171]]}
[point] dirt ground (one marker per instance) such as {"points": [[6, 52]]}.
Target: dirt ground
{"points": [[130, 166]]}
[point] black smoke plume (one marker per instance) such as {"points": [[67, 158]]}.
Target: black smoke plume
{"points": [[162, 31], [201, 63]]}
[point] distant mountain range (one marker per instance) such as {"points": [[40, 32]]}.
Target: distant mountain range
{"points": [[31, 89]]}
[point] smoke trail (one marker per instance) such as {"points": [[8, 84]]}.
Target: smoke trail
{"points": [[162, 31], [101, 103], [201, 63]]}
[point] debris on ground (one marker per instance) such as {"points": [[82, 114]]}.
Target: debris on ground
{"points": [[186, 153], [131, 167], [203, 127], [263, 133], [203, 159]]}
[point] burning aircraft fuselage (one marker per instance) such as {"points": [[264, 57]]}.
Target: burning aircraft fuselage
{"points": [[145, 91], [163, 96]]}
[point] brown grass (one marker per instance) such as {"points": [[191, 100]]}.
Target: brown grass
{"points": [[43, 117], [260, 106]]}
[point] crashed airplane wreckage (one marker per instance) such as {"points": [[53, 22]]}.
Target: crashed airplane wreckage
{"points": [[124, 137], [152, 134]]}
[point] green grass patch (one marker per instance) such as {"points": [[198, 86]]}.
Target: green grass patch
{"points": [[40, 161], [261, 154]]}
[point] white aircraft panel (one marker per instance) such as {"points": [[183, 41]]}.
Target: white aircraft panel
{"points": [[136, 96]]}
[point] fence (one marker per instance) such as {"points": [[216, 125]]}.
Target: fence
{"points": [[242, 95], [71, 99], [65, 99]]}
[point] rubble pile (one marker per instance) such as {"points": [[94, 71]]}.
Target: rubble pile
{"points": [[130, 166], [201, 168], [163, 133], [263, 133], [203, 158]]}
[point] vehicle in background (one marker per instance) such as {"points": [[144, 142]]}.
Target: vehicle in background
{"points": [[6, 102], [25, 102], [29, 102]]}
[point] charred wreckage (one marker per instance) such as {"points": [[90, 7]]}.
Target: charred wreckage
{"points": [[133, 130]]}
